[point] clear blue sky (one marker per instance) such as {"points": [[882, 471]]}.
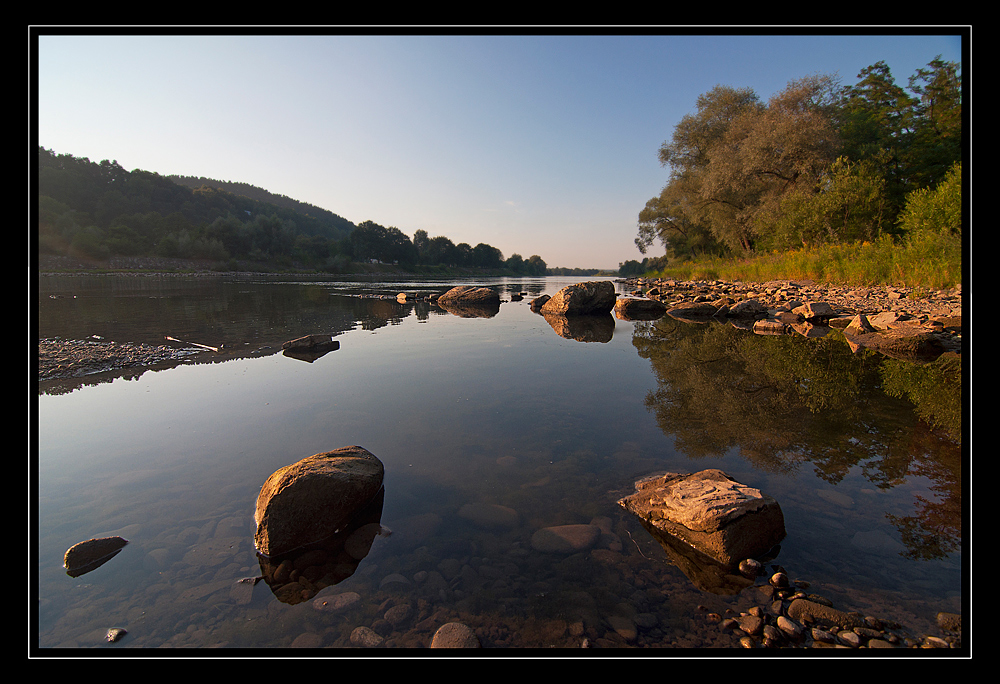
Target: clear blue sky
{"points": [[534, 144]]}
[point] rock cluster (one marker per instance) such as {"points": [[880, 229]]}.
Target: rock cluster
{"points": [[895, 320], [788, 617]]}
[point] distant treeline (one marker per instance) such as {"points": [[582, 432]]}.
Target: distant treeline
{"points": [[100, 210]]}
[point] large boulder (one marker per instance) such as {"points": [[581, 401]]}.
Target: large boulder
{"points": [[308, 501], [593, 297], [723, 519], [468, 301]]}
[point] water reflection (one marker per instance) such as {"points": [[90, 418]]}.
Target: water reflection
{"points": [[583, 328], [787, 401], [502, 411]]}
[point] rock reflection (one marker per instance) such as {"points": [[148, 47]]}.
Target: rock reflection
{"points": [[310, 347], [583, 328]]}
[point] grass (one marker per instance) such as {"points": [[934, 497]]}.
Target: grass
{"points": [[927, 260]]}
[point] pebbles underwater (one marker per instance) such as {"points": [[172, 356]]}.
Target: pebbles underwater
{"points": [[500, 591]]}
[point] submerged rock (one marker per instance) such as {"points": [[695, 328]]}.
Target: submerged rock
{"points": [[566, 538], [455, 635]]}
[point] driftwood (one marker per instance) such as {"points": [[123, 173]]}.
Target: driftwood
{"points": [[193, 344]]}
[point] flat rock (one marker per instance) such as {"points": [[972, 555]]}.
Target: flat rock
{"points": [[724, 519]]}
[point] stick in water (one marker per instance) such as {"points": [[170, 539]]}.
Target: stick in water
{"points": [[194, 344]]}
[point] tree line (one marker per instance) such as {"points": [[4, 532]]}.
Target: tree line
{"points": [[818, 162], [100, 210]]}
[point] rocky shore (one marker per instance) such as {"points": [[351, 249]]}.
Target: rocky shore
{"points": [[936, 314], [59, 358]]}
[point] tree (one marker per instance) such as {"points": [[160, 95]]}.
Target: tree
{"points": [[689, 154], [936, 210], [937, 134], [420, 244], [535, 266], [486, 256], [849, 205], [735, 159], [673, 218], [876, 122], [767, 154], [440, 250]]}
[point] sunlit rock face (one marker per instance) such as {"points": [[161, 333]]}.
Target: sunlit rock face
{"points": [[724, 519], [312, 499], [593, 297]]}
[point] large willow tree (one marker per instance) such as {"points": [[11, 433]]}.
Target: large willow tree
{"points": [[734, 159]]}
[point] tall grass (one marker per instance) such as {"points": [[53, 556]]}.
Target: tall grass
{"points": [[925, 260]]}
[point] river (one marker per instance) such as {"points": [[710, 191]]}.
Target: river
{"points": [[463, 412]]}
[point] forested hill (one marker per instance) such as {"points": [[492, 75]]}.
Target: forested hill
{"points": [[99, 210], [261, 195], [96, 211]]}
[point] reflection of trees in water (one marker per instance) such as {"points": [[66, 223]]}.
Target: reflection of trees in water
{"points": [[787, 400]]}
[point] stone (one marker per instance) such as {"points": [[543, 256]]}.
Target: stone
{"points": [[592, 297], [312, 499], [723, 519], [468, 301], [806, 611], [748, 308], [950, 622], [815, 310], [566, 538], [365, 637], [538, 302], [489, 516], [638, 309], [455, 635], [333, 603], [309, 347], [310, 342], [91, 554]]}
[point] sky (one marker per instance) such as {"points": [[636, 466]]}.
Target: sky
{"points": [[534, 143]]}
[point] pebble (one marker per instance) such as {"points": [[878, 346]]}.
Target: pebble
{"points": [[115, 634], [366, 637], [455, 635]]}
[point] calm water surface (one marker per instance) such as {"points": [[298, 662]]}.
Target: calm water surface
{"points": [[495, 410]]}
